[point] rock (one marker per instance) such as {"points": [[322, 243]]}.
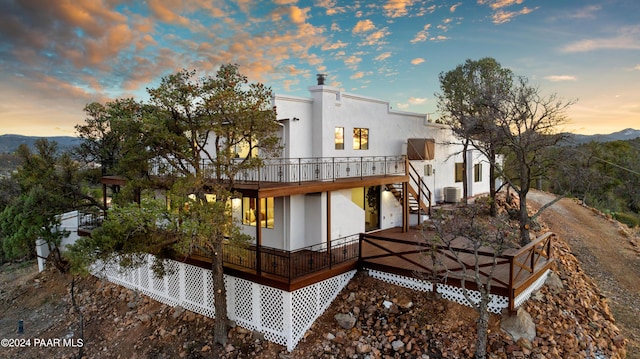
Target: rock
{"points": [[554, 283], [397, 345], [519, 326], [387, 304], [177, 312], [329, 336], [405, 302], [363, 348], [205, 348], [346, 321]]}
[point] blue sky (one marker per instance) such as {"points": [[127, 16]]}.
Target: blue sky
{"points": [[56, 56]]}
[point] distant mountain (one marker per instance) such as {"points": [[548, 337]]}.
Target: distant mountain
{"points": [[624, 135], [10, 143]]}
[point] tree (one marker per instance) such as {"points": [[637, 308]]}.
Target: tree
{"points": [[193, 129], [50, 184], [471, 98], [473, 243], [527, 126]]}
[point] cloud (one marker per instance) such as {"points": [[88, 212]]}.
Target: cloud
{"points": [[417, 100], [454, 7], [501, 16], [558, 78], [357, 75], [334, 46], [628, 38], [363, 26], [588, 12], [297, 15], [376, 37], [383, 56], [636, 68], [403, 106], [499, 4], [417, 61], [397, 8], [422, 35], [330, 7], [352, 62]]}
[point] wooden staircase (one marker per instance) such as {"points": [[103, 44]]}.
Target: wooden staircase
{"points": [[419, 195]]}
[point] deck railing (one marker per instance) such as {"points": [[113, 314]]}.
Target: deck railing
{"points": [[297, 170], [89, 220], [289, 265], [524, 265]]}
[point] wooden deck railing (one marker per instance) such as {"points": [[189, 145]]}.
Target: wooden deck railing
{"points": [[289, 265], [297, 170], [511, 272]]}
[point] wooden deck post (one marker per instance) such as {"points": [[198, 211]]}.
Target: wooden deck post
{"points": [[258, 236], [329, 228]]}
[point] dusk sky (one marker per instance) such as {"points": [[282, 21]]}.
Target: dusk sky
{"points": [[58, 55]]}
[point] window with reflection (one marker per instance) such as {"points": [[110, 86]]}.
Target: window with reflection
{"points": [[250, 215], [339, 138], [360, 138]]}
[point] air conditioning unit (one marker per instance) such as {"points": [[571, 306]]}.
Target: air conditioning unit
{"points": [[452, 194], [428, 170]]}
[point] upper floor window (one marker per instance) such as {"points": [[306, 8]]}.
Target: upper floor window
{"points": [[250, 215], [339, 138], [360, 138], [477, 172], [459, 167], [242, 150]]}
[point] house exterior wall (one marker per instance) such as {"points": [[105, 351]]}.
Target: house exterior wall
{"points": [[308, 131]]}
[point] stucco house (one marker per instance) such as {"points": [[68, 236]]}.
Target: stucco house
{"points": [[350, 165]]}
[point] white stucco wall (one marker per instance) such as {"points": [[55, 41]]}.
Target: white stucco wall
{"points": [[347, 217]]}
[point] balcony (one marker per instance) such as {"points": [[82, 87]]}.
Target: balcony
{"points": [[299, 170]]}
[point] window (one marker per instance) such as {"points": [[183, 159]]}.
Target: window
{"points": [[477, 172], [360, 138], [459, 167], [249, 215], [241, 149], [339, 138]]}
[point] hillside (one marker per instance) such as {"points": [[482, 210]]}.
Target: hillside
{"points": [[10, 143], [624, 135], [574, 321]]}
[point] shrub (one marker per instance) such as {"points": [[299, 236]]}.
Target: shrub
{"points": [[630, 219]]}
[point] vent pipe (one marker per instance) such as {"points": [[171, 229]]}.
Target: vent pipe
{"points": [[321, 78]]}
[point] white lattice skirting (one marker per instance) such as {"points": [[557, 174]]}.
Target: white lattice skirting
{"points": [[455, 294], [282, 317]]}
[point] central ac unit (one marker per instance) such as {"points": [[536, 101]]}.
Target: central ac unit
{"points": [[452, 194]]}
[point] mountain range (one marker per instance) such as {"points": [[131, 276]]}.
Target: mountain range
{"points": [[10, 143], [624, 135]]}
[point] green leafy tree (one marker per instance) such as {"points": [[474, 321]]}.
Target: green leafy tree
{"points": [[192, 128], [470, 100]]}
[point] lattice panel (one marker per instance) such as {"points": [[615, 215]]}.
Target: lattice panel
{"points": [[193, 291], [455, 294], [243, 302], [402, 281], [271, 308], [526, 294], [308, 303]]}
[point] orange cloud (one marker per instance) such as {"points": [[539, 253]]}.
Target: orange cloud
{"points": [[417, 61], [363, 26], [397, 8]]}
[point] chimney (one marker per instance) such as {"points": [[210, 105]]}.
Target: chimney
{"points": [[321, 78]]}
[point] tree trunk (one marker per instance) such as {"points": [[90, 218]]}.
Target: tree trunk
{"points": [[219, 295], [483, 327], [465, 180], [492, 181], [524, 219]]}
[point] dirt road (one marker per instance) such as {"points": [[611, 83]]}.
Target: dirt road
{"points": [[607, 254]]}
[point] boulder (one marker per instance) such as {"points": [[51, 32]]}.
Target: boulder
{"points": [[519, 326], [346, 321]]}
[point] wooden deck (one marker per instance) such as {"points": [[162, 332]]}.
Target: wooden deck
{"points": [[392, 251], [408, 254]]}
